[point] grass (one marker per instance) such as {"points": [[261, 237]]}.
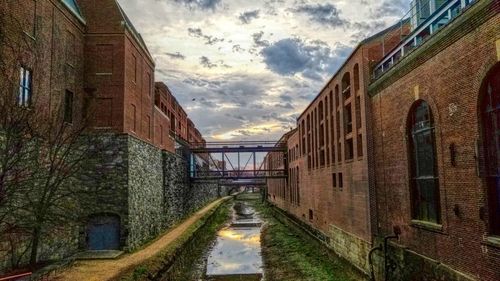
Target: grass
{"points": [[291, 254]]}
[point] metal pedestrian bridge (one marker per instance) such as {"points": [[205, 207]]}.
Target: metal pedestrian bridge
{"points": [[235, 163]]}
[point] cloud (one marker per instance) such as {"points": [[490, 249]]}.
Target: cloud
{"points": [[206, 62], [390, 8], [326, 14], [200, 4], [209, 40], [248, 16], [177, 55], [313, 60], [237, 49], [366, 29], [257, 39]]}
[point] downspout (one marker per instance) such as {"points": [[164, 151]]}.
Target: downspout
{"points": [[397, 232], [370, 261]]}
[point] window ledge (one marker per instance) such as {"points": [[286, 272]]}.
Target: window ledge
{"points": [[427, 225], [493, 241]]}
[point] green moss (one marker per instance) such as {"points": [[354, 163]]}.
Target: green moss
{"points": [[291, 254]]}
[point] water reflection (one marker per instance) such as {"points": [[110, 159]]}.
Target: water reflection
{"points": [[236, 253]]}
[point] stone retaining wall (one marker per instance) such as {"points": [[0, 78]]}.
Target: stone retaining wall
{"points": [[147, 188]]}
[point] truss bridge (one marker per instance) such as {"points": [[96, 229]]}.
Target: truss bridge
{"points": [[235, 163]]}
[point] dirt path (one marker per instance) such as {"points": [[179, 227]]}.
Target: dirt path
{"points": [[102, 270]]}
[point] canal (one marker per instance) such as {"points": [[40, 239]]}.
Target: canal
{"points": [[245, 242]]}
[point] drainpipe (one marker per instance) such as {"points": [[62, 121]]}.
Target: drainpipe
{"points": [[370, 261], [397, 232]]}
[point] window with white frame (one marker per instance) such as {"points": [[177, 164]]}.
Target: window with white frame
{"points": [[25, 91]]}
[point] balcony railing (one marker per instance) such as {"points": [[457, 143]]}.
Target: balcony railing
{"points": [[426, 18]]}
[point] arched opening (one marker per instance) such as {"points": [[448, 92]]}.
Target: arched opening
{"points": [[424, 183], [490, 125], [103, 232]]}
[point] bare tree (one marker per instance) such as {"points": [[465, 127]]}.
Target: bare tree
{"points": [[41, 156]]}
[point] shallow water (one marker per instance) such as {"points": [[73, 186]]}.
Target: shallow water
{"points": [[236, 254]]}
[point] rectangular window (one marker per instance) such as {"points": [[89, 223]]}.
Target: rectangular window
{"points": [[349, 149], [341, 181], [322, 158], [334, 180], [339, 152], [321, 135], [348, 119], [360, 145], [25, 91], [311, 215], [358, 112], [68, 107]]}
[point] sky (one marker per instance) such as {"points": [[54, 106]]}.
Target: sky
{"points": [[245, 70]]}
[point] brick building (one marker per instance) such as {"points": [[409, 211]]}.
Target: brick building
{"points": [[48, 53], [60, 54], [172, 108], [119, 69], [328, 187], [435, 129]]}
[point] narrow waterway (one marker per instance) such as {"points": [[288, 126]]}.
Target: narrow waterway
{"points": [[231, 251], [245, 242], [236, 254]]}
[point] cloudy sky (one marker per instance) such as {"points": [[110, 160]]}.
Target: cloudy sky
{"points": [[253, 66]]}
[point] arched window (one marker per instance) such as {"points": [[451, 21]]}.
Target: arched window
{"points": [[490, 119], [424, 183]]}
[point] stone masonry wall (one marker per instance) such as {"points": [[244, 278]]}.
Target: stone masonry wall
{"points": [[182, 196], [146, 193]]}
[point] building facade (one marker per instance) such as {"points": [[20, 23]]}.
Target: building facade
{"points": [[58, 55], [435, 132], [328, 168], [119, 69], [172, 108], [402, 143]]}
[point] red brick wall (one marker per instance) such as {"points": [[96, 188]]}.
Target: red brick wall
{"points": [[162, 138], [448, 77], [175, 111], [345, 207], [119, 70], [52, 48], [139, 90]]}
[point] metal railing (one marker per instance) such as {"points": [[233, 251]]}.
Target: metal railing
{"points": [[426, 17]]}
